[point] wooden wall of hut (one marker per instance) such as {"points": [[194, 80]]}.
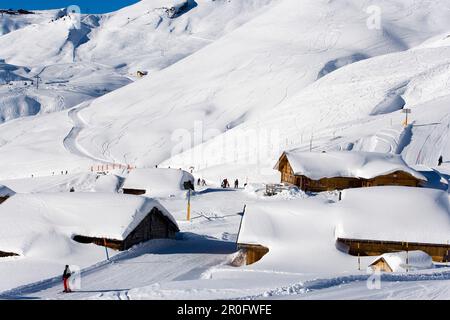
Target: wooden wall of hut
{"points": [[104, 242], [287, 174], [253, 253], [398, 178], [328, 184], [438, 252], [4, 254], [154, 226], [136, 192], [381, 265]]}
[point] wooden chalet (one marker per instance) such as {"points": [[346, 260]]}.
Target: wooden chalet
{"points": [[159, 181], [402, 261], [155, 225], [381, 265], [326, 171]]}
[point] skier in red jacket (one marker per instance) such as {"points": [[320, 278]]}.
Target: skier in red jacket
{"points": [[66, 276]]}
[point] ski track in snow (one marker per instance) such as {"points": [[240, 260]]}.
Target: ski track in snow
{"points": [[302, 288], [131, 269], [70, 141]]}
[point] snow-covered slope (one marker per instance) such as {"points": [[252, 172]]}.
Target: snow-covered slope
{"points": [[82, 57], [337, 112], [259, 67], [263, 75], [230, 86], [13, 21]]}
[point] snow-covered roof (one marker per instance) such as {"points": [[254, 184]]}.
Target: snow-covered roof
{"points": [[5, 191], [393, 213], [157, 182], [355, 164], [298, 229], [411, 260], [26, 217]]}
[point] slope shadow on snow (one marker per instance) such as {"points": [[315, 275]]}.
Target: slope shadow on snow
{"points": [[188, 6], [335, 64], [186, 243], [404, 139], [393, 101], [213, 190]]}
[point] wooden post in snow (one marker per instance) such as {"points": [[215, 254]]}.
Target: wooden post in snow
{"points": [[188, 218], [359, 259], [406, 111], [106, 248], [407, 257]]}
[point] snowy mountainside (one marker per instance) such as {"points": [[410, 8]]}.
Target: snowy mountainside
{"points": [[138, 33], [262, 74], [10, 22], [357, 107], [230, 86], [257, 67], [104, 51]]}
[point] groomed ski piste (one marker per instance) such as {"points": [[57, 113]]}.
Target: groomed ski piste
{"points": [[255, 78]]}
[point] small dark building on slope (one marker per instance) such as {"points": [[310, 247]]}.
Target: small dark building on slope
{"points": [[5, 193], [157, 181]]}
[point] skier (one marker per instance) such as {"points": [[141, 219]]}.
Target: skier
{"points": [[66, 276], [236, 184], [226, 183], [198, 181], [72, 189], [440, 161], [203, 182]]}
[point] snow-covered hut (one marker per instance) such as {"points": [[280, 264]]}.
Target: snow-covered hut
{"points": [[402, 261], [312, 234], [117, 221], [160, 182], [5, 193], [338, 170], [391, 219]]}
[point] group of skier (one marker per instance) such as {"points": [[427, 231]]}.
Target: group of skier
{"points": [[226, 184], [201, 182]]}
